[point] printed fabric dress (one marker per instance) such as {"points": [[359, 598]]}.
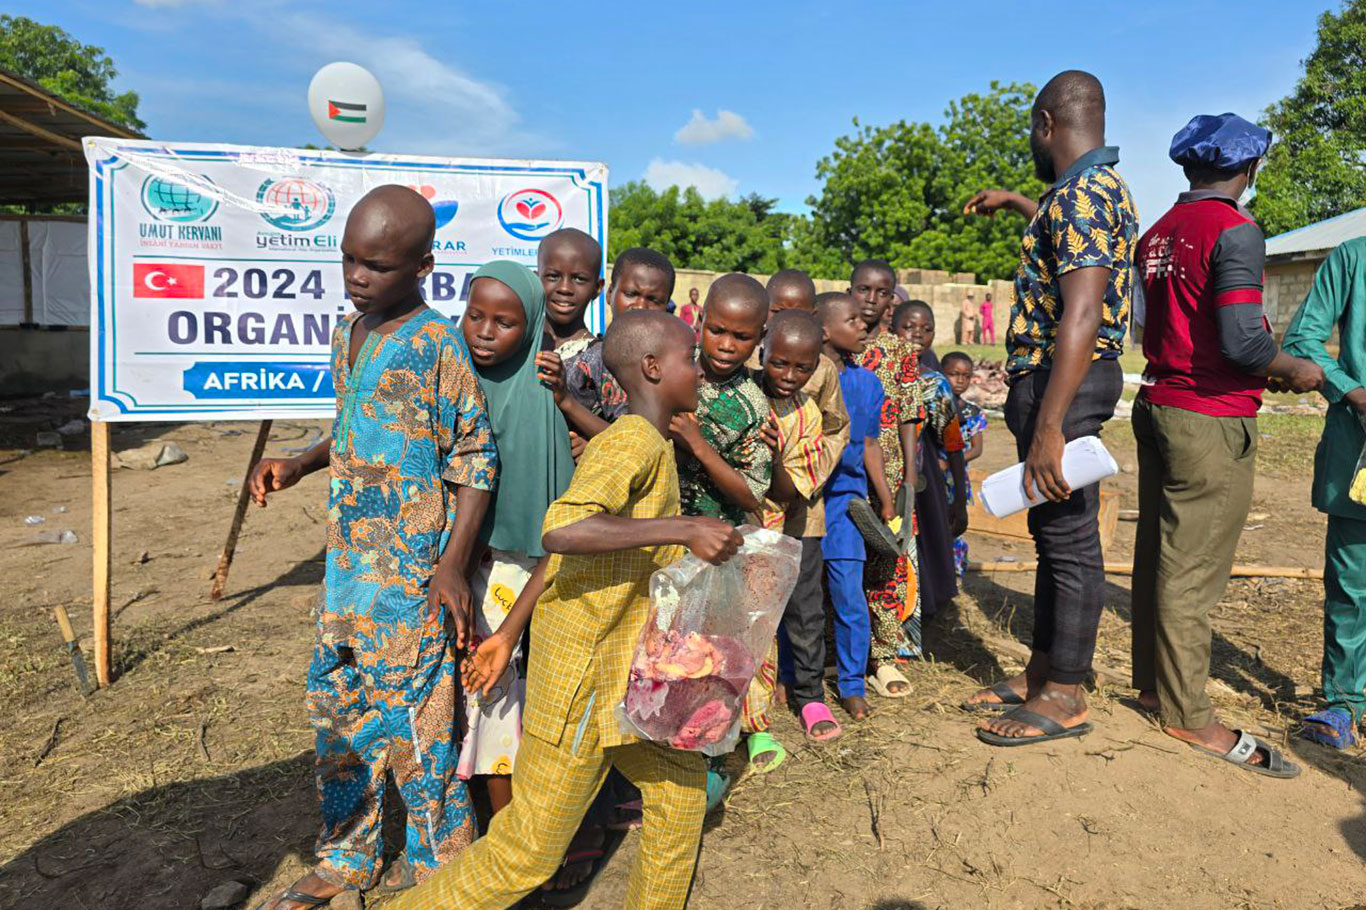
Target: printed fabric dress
{"points": [[592, 385], [942, 432], [972, 422], [893, 592], [411, 425]]}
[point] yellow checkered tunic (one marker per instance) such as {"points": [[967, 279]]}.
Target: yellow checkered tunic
{"points": [[584, 633], [586, 625]]}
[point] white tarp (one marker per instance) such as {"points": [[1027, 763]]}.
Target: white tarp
{"points": [[215, 275], [61, 276], [11, 274]]}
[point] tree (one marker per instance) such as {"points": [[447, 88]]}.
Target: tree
{"points": [[897, 192], [1317, 167], [717, 235], [79, 73]]}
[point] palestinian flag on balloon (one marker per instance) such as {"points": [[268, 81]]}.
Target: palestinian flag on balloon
{"points": [[345, 112]]}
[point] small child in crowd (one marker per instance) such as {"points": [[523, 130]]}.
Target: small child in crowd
{"points": [[957, 367], [611, 530], [893, 593], [502, 327], [412, 462], [725, 466], [796, 506], [938, 522], [569, 263], [587, 393], [843, 547]]}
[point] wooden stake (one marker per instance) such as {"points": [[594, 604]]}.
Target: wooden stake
{"points": [[220, 577], [100, 541], [1120, 568]]}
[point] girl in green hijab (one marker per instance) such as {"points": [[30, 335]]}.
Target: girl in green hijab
{"points": [[502, 326]]}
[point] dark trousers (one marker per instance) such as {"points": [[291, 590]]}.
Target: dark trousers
{"points": [[801, 635], [1069, 587]]}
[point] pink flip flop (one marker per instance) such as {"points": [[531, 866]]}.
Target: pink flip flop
{"points": [[815, 712]]}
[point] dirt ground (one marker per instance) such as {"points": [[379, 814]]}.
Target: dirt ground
{"points": [[194, 768]]}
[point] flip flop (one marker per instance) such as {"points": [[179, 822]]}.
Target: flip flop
{"points": [[763, 743], [1335, 719], [1052, 730], [573, 896], [882, 681], [815, 712], [875, 534], [1009, 698], [718, 782], [1249, 745]]}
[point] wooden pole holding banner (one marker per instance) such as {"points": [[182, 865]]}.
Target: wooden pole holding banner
{"points": [[100, 542], [220, 576]]}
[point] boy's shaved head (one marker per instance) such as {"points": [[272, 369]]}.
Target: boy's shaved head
{"points": [[794, 285], [636, 333], [955, 357], [575, 239], [644, 257], [904, 311], [795, 326], [832, 302], [740, 291], [400, 215], [872, 265]]}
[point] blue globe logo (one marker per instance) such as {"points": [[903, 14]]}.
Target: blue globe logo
{"points": [[295, 204], [167, 200]]}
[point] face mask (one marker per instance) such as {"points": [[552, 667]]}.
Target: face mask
{"points": [[1246, 196]]}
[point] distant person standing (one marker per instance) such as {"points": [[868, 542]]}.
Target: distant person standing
{"points": [[988, 320], [691, 312], [967, 321]]}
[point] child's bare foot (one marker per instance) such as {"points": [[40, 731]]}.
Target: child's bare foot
{"points": [[310, 891], [780, 695], [857, 706]]}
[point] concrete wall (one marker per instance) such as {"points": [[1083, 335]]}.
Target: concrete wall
{"points": [[33, 361], [1286, 286]]}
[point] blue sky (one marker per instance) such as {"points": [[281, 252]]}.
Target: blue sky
{"points": [[775, 82]]}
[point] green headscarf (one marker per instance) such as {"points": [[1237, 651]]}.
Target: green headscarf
{"points": [[535, 464]]}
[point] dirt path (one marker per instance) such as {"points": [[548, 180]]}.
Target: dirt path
{"points": [[194, 768]]}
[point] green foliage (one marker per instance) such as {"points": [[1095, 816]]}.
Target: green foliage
{"points": [[79, 73], [718, 235], [1317, 167], [897, 192]]}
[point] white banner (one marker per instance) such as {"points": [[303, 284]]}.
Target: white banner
{"points": [[215, 274]]}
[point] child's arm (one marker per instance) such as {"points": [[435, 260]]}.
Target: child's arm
{"points": [[910, 446], [449, 588], [876, 466], [708, 538], [782, 489], [273, 474], [974, 450], [550, 370], [732, 484], [953, 446], [482, 669]]}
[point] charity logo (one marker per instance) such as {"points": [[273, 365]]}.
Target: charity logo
{"points": [[345, 112], [530, 214], [164, 280], [295, 204], [167, 200], [445, 209]]}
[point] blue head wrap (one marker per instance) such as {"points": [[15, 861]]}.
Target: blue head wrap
{"points": [[1225, 142]]}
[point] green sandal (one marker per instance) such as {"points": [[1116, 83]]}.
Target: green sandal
{"points": [[761, 744]]}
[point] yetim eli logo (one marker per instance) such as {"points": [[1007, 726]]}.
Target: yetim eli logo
{"points": [[530, 214], [295, 205], [179, 212]]}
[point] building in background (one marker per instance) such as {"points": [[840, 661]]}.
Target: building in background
{"points": [[1292, 259]]}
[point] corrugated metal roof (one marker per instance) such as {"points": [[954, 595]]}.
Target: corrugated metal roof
{"points": [[1322, 236]]}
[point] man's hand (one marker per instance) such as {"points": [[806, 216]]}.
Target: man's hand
{"points": [[1043, 467], [550, 371], [448, 589], [1357, 399], [271, 475], [711, 539], [988, 202], [886, 511], [687, 432], [1305, 376], [482, 668]]}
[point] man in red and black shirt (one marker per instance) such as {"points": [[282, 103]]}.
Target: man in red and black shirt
{"points": [[1210, 352]]}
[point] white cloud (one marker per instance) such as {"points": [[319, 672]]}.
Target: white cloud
{"points": [[710, 182], [701, 131]]}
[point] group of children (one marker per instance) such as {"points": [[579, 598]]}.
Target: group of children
{"points": [[507, 487]]}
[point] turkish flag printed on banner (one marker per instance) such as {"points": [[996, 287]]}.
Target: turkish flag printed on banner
{"points": [[166, 280]]}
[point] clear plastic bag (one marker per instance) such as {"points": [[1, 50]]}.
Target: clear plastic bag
{"points": [[1357, 492], [709, 628]]}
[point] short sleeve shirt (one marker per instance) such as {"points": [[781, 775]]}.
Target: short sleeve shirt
{"points": [[731, 414], [592, 385], [1087, 219]]}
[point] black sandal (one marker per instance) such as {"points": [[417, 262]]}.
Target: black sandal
{"points": [[407, 878], [1050, 729]]}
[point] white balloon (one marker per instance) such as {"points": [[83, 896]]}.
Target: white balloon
{"points": [[347, 104]]}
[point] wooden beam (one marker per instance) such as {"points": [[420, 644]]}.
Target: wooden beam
{"points": [[220, 577], [53, 101], [35, 129], [100, 542]]}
